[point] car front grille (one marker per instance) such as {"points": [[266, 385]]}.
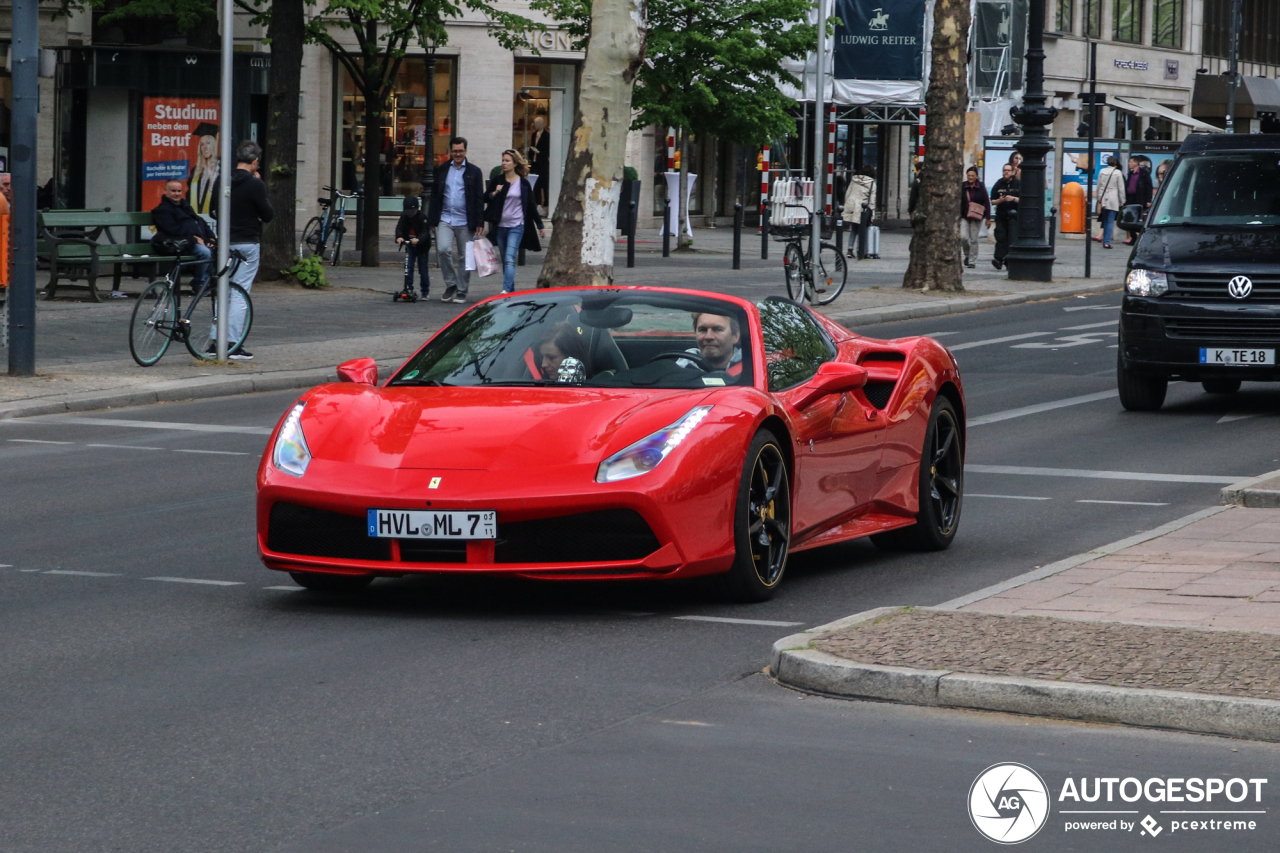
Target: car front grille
{"points": [[609, 535], [311, 532], [1212, 287], [1244, 329]]}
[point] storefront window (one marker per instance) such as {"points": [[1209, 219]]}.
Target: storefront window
{"points": [[400, 148]]}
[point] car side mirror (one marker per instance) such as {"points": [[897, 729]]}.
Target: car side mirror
{"points": [[362, 371], [1133, 218], [833, 377]]}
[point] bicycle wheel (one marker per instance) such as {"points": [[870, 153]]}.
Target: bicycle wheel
{"points": [[202, 342], [311, 243], [793, 266], [339, 228], [152, 322], [829, 274]]}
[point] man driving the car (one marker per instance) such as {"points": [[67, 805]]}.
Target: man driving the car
{"points": [[717, 336]]}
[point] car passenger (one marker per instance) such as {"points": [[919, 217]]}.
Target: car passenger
{"points": [[718, 336], [563, 341]]}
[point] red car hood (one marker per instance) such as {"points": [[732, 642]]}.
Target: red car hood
{"points": [[482, 428]]}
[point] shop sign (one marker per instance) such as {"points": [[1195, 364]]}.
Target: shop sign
{"points": [[877, 40], [180, 142], [1132, 64], [558, 40]]}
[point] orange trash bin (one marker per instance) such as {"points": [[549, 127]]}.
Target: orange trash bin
{"points": [[1072, 208]]}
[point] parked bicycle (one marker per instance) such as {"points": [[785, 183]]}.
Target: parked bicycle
{"points": [[817, 281], [323, 233], [157, 319]]}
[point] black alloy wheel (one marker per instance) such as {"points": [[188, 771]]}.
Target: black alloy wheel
{"points": [[762, 522], [322, 582], [941, 489], [1220, 386]]}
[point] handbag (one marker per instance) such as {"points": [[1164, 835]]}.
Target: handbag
{"points": [[976, 212], [486, 257]]}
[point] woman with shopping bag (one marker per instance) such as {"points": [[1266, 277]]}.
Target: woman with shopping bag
{"points": [[512, 214], [1110, 199]]}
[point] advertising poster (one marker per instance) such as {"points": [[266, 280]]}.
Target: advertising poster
{"points": [[180, 142], [998, 150], [1075, 173], [1157, 156]]}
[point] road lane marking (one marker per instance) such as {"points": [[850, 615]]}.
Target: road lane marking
{"points": [[939, 334], [1088, 326], [1007, 497], [83, 574], [197, 580], [1093, 308], [768, 622], [1023, 411], [1122, 503], [1003, 340], [38, 441], [216, 452], [69, 419], [1102, 475], [1226, 419], [124, 447], [285, 588], [686, 722], [1068, 341]]}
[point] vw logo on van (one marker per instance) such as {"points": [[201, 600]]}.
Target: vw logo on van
{"points": [[1240, 286]]}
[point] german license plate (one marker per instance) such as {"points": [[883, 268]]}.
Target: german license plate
{"points": [[429, 524], [1215, 355]]}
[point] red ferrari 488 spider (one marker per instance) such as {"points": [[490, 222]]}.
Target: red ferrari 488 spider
{"points": [[617, 433]]}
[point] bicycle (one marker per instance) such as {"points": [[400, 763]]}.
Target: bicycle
{"points": [[331, 224], [818, 282], [156, 322]]}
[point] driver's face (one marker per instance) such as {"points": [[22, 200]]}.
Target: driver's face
{"points": [[716, 339], [551, 358]]}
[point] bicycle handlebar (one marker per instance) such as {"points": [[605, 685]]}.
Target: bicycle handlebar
{"points": [[340, 193]]}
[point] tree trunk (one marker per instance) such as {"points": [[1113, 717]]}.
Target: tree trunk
{"points": [[280, 236], [935, 241], [581, 247], [684, 242]]}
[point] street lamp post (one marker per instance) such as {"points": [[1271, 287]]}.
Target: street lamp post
{"points": [[1030, 256]]}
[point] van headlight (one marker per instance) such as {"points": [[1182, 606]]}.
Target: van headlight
{"points": [[643, 456], [291, 454], [1146, 283]]}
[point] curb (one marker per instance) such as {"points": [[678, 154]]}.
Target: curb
{"points": [[941, 308], [798, 666], [1257, 492], [167, 392]]}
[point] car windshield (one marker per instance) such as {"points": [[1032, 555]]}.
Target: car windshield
{"points": [[601, 337], [1221, 189]]}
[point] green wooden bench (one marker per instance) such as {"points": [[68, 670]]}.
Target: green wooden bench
{"points": [[79, 244]]}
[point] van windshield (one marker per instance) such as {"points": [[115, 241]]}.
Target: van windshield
{"points": [[1221, 189]]}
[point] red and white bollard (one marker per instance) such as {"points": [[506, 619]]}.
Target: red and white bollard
{"points": [[920, 142], [764, 182], [831, 157], [671, 150]]}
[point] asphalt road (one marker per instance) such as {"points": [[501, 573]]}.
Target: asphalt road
{"points": [[164, 692]]}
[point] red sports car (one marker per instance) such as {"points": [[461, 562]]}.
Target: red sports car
{"points": [[617, 433]]}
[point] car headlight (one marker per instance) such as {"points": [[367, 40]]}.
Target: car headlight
{"points": [[1146, 283], [645, 454], [291, 454]]}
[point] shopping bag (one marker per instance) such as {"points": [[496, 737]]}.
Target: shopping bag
{"points": [[471, 257], [486, 257]]}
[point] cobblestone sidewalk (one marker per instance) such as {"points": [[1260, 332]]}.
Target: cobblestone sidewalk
{"points": [[1149, 616]]}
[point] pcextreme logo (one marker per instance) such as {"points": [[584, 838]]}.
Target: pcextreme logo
{"points": [[1009, 803]]}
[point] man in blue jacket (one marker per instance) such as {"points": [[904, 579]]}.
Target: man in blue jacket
{"points": [[175, 219], [457, 214]]}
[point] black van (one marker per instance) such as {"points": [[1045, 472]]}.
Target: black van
{"points": [[1202, 289]]}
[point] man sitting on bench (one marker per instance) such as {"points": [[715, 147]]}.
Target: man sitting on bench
{"points": [[175, 219]]}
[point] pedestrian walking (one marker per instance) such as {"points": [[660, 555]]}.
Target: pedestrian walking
{"points": [[1110, 186], [512, 211], [249, 209], [913, 197], [975, 208], [1005, 194], [1138, 188], [412, 233], [457, 215], [540, 160], [862, 190]]}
